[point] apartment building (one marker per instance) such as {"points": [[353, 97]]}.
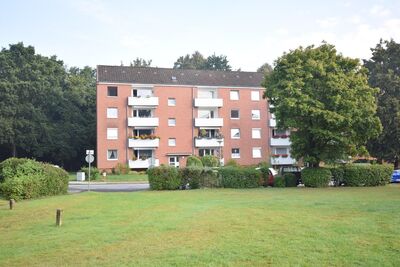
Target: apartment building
{"points": [[280, 145], [152, 116]]}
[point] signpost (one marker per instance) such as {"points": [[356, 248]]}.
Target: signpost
{"points": [[89, 159]]}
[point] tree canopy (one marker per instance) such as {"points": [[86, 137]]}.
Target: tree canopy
{"points": [[140, 62], [384, 73], [325, 98], [198, 62], [265, 68]]}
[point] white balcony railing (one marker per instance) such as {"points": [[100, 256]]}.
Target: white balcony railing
{"points": [[143, 143], [282, 160], [272, 123], [143, 101], [208, 102], [209, 142], [280, 141], [214, 122], [143, 164], [142, 122]]}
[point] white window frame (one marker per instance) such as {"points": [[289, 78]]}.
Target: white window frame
{"points": [[255, 111], [171, 122], [110, 135], [175, 162], [171, 141], [256, 156], [233, 133], [112, 113], [235, 155], [255, 95], [108, 154], [234, 95], [256, 133], [171, 102]]}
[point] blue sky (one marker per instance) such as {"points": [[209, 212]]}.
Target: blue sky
{"points": [[92, 32]]}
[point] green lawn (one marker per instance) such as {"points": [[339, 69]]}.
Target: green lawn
{"points": [[255, 227], [132, 177]]}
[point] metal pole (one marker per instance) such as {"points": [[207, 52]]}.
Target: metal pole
{"points": [[89, 176]]}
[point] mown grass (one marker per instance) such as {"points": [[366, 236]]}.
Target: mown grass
{"points": [[132, 177], [257, 227]]}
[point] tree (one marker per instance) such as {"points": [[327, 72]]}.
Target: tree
{"points": [[140, 62], [265, 68], [217, 63], [384, 70], [326, 99], [197, 61]]}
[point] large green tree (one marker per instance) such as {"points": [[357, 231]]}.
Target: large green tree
{"points": [[384, 73], [140, 62], [325, 98], [198, 62], [265, 68]]}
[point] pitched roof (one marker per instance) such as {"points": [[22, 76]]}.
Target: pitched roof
{"points": [[139, 75]]}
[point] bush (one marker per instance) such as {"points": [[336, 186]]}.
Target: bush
{"points": [[232, 163], [290, 179], [210, 161], [279, 181], [26, 179], [191, 176], [337, 175], [164, 178], [210, 178], [94, 172], [193, 161], [316, 177], [121, 168], [233, 177], [367, 175]]}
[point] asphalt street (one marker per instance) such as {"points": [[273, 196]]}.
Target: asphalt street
{"points": [[74, 187]]}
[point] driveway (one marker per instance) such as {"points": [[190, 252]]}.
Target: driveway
{"points": [[78, 187]]}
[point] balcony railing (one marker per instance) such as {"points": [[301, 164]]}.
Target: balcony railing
{"points": [[280, 141], [143, 101], [282, 160], [208, 102], [142, 122], [144, 164], [208, 142], [144, 143], [213, 122]]}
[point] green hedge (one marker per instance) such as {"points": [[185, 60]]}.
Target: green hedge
{"points": [[210, 178], [290, 180], [191, 176], [367, 175], [210, 161], [279, 181], [164, 178], [121, 168], [94, 173], [234, 177], [26, 179], [337, 175], [193, 161], [316, 177]]}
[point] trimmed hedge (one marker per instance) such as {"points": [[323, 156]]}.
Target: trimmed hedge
{"points": [[290, 179], [234, 177], [367, 175], [337, 175], [316, 177], [210, 178], [164, 178], [279, 181], [191, 176], [26, 179], [193, 161]]}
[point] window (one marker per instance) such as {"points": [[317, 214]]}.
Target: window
{"points": [[234, 95], [112, 113], [205, 114], [171, 102], [209, 133], [112, 91], [235, 133], [174, 161], [255, 95], [276, 133], [281, 150], [255, 114], [235, 153], [142, 132], [112, 133], [206, 151], [171, 122], [112, 154], [171, 142], [204, 93], [256, 152], [256, 133], [142, 113], [234, 114], [142, 92], [143, 154]]}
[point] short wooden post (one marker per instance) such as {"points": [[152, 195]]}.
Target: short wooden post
{"points": [[59, 217], [12, 204]]}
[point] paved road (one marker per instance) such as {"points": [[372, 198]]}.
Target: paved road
{"points": [[107, 187]]}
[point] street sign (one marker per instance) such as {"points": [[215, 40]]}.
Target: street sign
{"points": [[89, 158], [89, 152]]}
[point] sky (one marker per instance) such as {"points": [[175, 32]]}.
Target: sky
{"points": [[249, 33]]}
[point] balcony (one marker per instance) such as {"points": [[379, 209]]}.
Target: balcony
{"points": [[272, 123], [209, 142], [208, 102], [283, 160], [280, 141], [143, 164], [214, 122], [142, 122], [151, 101], [144, 143]]}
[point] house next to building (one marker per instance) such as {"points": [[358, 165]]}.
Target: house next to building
{"points": [[152, 116]]}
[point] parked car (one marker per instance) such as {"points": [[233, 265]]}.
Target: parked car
{"points": [[292, 169], [396, 176]]}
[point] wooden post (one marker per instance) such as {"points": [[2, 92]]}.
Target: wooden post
{"points": [[12, 204], [59, 217]]}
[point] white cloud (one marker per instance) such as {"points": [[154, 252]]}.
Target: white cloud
{"points": [[380, 11], [327, 22]]}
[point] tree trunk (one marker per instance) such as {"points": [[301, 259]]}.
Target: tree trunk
{"points": [[396, 162]]}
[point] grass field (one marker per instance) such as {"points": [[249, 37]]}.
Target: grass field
{"points": [[256, 227], [133, 177]]}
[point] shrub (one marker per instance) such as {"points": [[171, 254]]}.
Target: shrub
{"points": [[233, 177], [193, 161], [279, 181], [94, 172], [26, 179], [337, 175], [232, 163], [210, 161], [164, 178], [367, 175], [210, 178], [290, 179], [121, 168], [316, 177], [191, 176]]}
